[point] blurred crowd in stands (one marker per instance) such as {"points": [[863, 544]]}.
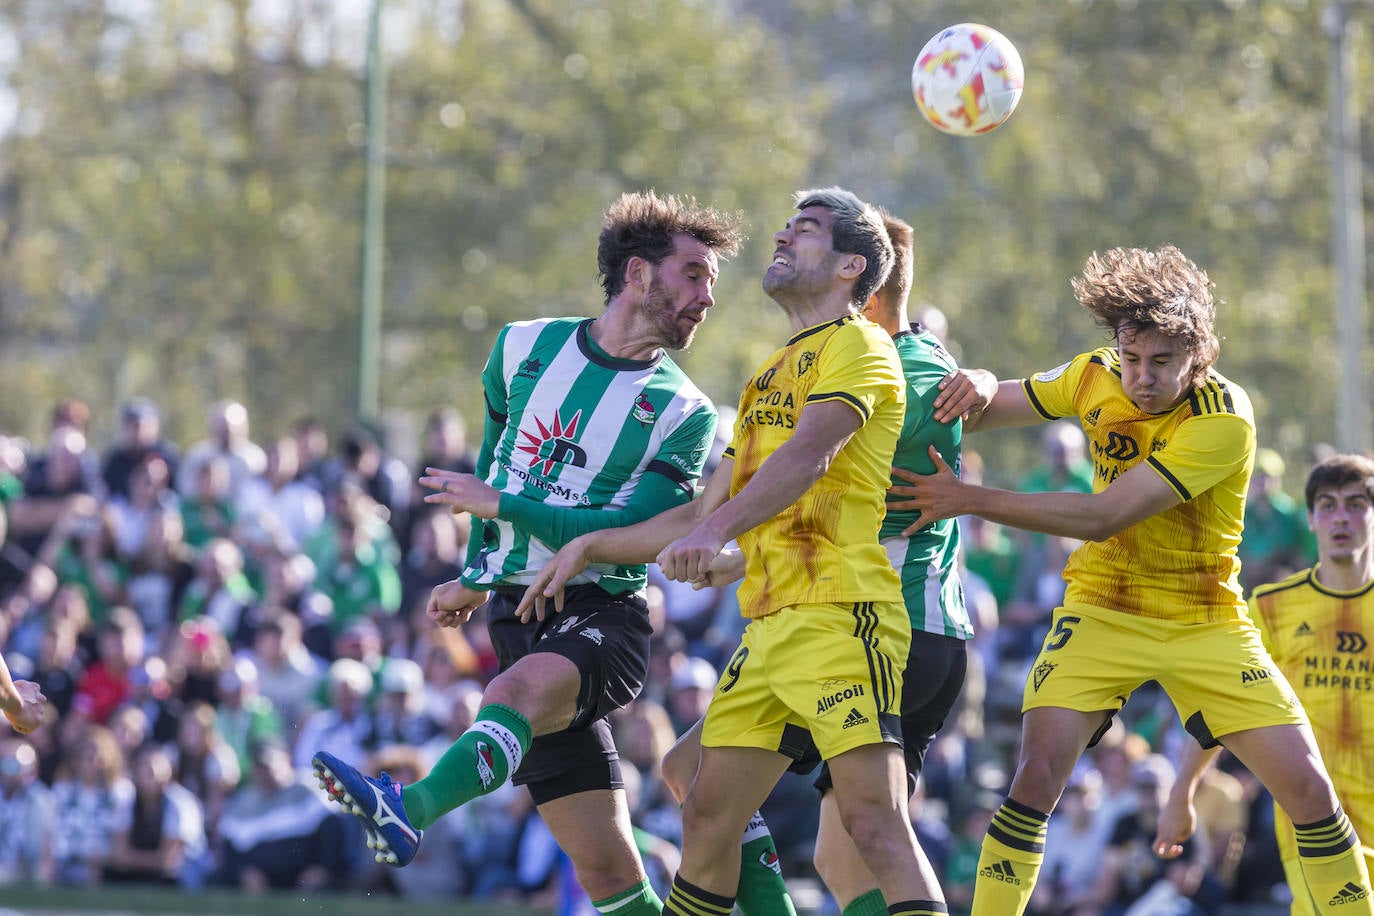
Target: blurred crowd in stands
{"points": [[204, 618]]}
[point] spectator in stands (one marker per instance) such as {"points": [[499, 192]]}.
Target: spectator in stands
{"points": [[158, 574], [204, 763], [279, 833], [288, 674], [104, 686], [312, 454], [208, 509], [140, 436], [220, 592], [148, 490], [92, 796], [229, 439], [1277, 541], [162, 838], [381, 475], [243, 716], [361, 581], [344, 726], [277, 505], [399, 715], [26, 816]]}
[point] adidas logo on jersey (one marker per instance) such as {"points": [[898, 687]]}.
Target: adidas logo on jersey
{"points": [[1001, 871], [1091, 416], [854, 718], [1351, 893], [1304, 629]]}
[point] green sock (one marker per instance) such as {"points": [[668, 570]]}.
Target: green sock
{"points": [[639, 900], [480, 761], [762, 891], [869, 904], [1009, 865], [1333, 865]]}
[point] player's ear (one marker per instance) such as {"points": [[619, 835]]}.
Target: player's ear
{"points": [[638, 273], [851, 266]]}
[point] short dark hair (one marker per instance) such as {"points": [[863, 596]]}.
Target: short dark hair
{"points": [[1339, 471], [857, 229], [643, 224]]}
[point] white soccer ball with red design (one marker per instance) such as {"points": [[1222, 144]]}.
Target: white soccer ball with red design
{"points": [[967, 80]]}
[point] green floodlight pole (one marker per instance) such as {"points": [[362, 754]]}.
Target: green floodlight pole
{"points": [[1348, 254], [374, 221]]}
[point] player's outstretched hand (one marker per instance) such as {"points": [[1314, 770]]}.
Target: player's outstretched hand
{"points": [[935, 495], [452, 603], [548, 586], [964, 393], [29, 715], [1177, 821], [688, 559], [461, 493]]}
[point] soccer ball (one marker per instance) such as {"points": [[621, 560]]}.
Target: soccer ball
{"points": [[967, 79]]}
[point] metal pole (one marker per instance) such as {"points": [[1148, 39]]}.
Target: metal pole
{"points": [[1352, 415], [374, 219]]}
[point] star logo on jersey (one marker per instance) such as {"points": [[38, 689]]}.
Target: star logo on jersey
{"points": [[530, 368], [1304, 629], [643, 410], [554, 446], [1042, 671], [1091, 416], [805, 362]]}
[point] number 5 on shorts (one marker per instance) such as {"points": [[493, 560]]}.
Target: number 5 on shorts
{"points": [[1063, 629]]}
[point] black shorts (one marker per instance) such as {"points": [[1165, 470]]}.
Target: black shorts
{"points": [[931, 682], [607, 637]]}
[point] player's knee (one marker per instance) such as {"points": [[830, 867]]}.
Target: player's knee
{"points": [[1307, 795], [604, 872]]}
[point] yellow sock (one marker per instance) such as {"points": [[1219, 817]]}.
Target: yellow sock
{"points": [[1333, 866], [1010, 861]]}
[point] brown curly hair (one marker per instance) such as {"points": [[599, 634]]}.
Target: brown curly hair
{"points": [[646, 225], [1129, 290]]}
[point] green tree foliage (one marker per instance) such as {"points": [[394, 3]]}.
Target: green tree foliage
{"points": [[180, 187]]}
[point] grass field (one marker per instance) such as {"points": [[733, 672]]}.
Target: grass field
{"points": [[40, 901]]}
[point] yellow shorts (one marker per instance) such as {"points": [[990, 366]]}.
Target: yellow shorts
{"points": [[1218, 675], [832, 670]]}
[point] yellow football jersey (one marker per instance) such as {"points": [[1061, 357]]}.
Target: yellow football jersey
{"points": [[1180, 564], [824, 548], [1323, 641]]}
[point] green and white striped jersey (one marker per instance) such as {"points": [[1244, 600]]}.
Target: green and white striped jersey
{"points": [[928, 560], [572, 430]]}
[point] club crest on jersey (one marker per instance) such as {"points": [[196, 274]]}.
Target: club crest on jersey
{"points": [[643, 410], [804, 362], [1043, 671], [554, 445]]}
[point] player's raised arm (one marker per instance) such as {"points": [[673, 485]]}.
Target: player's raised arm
{"points": [[638, 543]]}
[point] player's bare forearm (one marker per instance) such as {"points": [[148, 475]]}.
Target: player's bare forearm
{"points": [[1178, 816], [1131, 498]]}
